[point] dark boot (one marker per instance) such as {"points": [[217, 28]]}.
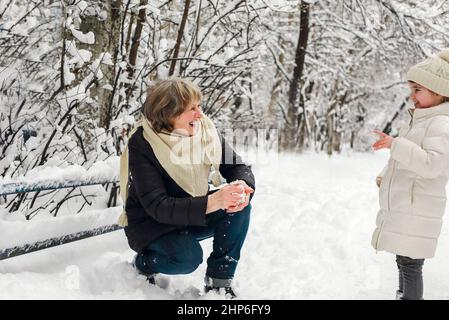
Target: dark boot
{"points": [[151, 280], [228, 292], [137, 264]]}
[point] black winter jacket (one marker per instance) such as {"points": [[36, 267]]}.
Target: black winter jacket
{"points": [[156, 205]]}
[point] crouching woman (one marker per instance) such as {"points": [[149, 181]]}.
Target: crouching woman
{"points": [[169, 208]]}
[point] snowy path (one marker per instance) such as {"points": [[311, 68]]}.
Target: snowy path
{"points": [[309, 238]]}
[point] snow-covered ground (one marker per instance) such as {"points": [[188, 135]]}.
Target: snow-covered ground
{"points": [[309, 238]]}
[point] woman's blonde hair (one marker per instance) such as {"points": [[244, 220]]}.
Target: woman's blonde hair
{"points": [[168, 99]]}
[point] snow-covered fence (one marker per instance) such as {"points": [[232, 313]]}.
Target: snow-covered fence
{"points": [[21, 187], [52, 242], [52, 178], [59, 176]]}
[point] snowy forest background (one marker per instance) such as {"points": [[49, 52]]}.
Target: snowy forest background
{"points": [[297, 84], [307, 75]]}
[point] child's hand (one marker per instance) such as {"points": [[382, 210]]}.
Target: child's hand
{"points": [[384, 141]]}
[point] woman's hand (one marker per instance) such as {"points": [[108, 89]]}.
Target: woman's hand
{"points": [[384, 141], [230, 197], [245, 201], [248, 189]]}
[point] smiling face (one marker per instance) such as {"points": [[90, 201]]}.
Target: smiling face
{"points": [[187, 122], [424, 98], [172, 104]]}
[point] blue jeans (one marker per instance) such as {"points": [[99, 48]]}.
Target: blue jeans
{"points": [[410, 277], [179, 252]]}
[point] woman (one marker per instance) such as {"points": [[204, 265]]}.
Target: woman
{"points": [[169, 208]]}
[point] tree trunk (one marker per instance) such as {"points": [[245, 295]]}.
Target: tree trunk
{"points": [[290, 130], [275, 92], [135, 46], [330, 133], [107, 39], [179, 38]]}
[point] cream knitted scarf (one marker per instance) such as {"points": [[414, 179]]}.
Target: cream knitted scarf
{"points": [[188, 160]]}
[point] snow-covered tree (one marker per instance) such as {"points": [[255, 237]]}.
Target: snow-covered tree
{"points": [[357, 54], [75, 73]]}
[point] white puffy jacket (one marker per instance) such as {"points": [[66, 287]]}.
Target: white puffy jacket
{"points": [[412, 194]]}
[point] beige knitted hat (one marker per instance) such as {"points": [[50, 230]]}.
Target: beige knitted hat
{"points": [[432, 73]]}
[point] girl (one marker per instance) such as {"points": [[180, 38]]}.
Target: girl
{"points": [[412, 193]]}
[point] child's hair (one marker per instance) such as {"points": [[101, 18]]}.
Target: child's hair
{"points": [[168, 99]]}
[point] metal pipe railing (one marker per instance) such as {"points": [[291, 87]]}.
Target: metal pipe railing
{"points": [[22, 187]]}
